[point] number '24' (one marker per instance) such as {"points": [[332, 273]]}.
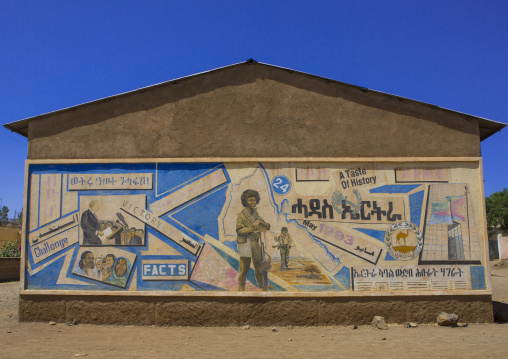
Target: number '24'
{"points": [[277, 184]]}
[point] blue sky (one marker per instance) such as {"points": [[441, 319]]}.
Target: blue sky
{"points": [[57, 54]]}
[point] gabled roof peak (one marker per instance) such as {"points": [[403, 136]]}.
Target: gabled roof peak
{"points": [[487, 127]]}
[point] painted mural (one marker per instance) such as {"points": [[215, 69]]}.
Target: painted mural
{"points": [[273, 227]]}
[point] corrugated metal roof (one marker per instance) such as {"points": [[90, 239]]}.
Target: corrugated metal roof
{"points": [[487, 127]]}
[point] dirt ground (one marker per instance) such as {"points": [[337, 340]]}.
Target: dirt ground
{"points": [[41, 340]]}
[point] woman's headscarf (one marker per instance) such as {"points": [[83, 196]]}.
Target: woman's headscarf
{"points": [[115, 279]]}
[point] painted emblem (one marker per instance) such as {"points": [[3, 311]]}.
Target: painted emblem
{"points": [[281, 185], [404, 240]]}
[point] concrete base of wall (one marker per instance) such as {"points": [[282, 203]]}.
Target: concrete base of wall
{"points": [[238, 311], [9, 269]]}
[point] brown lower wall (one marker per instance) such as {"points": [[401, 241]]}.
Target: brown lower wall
{"points": [[9, 269], [238, 311]]}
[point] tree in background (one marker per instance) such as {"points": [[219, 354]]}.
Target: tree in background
{"points": [[4, 215], [497, 210], [17, 220]]}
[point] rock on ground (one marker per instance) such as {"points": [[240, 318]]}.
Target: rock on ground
{"points": [[379, 323], [445, 319]]}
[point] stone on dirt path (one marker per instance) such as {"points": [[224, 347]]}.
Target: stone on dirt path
{"points": [[410, 325], [445, 319], [379, 323]]}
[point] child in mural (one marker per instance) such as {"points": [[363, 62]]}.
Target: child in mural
{"points": [[284, 242], [102, 268], [98, 265], [249, 224], [120, 273], [104, 271], [90, 225], [107, 266], [86, 266]]}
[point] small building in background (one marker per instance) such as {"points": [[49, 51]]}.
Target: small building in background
{"points": [[498, 244]]}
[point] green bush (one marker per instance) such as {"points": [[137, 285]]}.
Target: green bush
{"points": [[10, 249]]}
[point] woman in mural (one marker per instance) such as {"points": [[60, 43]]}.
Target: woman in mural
{"points": [[120, 272], [249, 224]]}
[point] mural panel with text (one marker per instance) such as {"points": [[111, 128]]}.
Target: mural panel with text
{"points": [[296, 227]]}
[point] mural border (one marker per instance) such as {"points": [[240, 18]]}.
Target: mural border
{"points": [[410, 161]]}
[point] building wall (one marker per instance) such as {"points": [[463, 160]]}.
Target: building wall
{"points": [[345, 220], [12, 234], [237, 311], [248, 111], [502, 243], [493, 242], [9, 269], [253, 111]]}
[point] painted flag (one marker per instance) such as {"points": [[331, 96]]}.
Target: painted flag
{"points": [[441, 213], [457, 207]]}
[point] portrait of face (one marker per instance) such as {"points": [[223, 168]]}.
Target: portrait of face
{"points": [[98, 264], [95, 207], [103, 226], [105, 271], [109, 262], [121, 267], [251, 202], [89, 261], [139, 233]]}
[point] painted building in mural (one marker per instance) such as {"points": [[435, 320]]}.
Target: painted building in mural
{"points": [[254, 182]]}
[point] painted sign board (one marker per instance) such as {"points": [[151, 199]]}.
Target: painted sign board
{"points": [[335, 227]]}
